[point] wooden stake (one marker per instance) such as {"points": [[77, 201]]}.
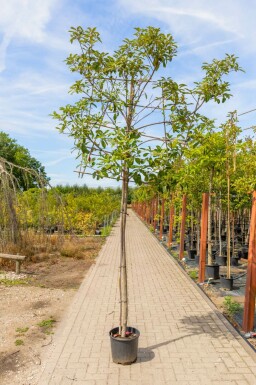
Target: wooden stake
{"points": [[161, 220], [203, 241], [171, 225], [155, 214], [250, 289], [182, 226]]}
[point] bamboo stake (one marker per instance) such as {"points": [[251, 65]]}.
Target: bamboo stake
{"points": [[161, 220], [182, 226], [203, 242], [171, 224]]}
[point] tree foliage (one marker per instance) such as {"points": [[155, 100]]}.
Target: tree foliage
{"points": [[27, 171]]}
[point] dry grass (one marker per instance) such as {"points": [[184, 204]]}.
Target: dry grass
{"points": [[39, 247], [79, 248]]}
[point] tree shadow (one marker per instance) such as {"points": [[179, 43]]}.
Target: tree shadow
{"points": [[147, 354], [208, 324]]}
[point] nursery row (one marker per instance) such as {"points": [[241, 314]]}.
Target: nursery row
{"points": [[212, 238]]}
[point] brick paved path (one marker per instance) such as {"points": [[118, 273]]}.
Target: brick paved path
{"points": [[184, 340]]}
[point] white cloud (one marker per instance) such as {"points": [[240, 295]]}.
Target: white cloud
{"points": [[58, 161], [23, 19], [200, 21], [206, 47]]}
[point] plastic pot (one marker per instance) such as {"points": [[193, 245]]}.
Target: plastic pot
{"points": [[226, 283], [243, 253], [213, 271], [234, 261], [191, 253], [124, 350], [221, 260]]}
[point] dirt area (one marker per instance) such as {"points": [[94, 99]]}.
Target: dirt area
{"points": [[32, 305]]}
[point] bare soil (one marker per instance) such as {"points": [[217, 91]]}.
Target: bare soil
{"points": [[32, 305]]}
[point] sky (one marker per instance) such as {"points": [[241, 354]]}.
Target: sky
{"points": [[34, 78]]}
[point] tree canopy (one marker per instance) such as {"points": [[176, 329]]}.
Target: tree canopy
{"points": [[27, 171]]}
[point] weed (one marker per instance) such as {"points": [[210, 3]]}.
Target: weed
{"points": [[22, 330], [105, 231], [231, 307], [175, 254], [47, 325], [13, 282], [19, 342], [193, 274]]}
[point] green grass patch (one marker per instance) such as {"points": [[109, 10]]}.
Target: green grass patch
{"points": [[231, 307], [13, 282], [105, 231], [19, 342], [46, 325], [22, 330], [193, 274]]}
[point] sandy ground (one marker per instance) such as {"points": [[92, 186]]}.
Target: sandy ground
{"points": [[31, 307]]}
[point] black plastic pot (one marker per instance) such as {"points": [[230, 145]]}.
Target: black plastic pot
{"points": [[221, 260], [166, 229], [194, 243], [238, 229], [191, 253], [234, 261], [197, 257], [243, 253], [124, 350], [226, 283], [213, 271]]}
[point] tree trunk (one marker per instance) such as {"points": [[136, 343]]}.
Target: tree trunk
{"points": [[171, 218], [182, 226], [13, 221], [228, 232], [220, 214], [123, 268], [209, 234], [203, 243], [161, 220], [192, 229], [233, 235], [198, 233]]}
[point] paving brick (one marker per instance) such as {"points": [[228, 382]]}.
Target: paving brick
{"points": [[182, 342]]}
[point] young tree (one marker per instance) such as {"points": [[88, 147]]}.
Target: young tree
{"points": [[121, 99]]}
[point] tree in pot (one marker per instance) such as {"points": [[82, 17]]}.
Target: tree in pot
{"points": [[204, 166], [109, 122], [231, 132]]}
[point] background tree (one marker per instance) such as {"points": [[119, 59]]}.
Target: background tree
{"points": [[27, 171]]}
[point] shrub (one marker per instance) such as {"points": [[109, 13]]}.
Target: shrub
{"points": [[231, 307], [193, 274]]}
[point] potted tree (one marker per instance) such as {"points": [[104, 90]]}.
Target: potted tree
{"points": [[109, 124], [230, 131]]}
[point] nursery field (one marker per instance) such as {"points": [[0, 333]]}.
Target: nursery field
{"points": [[33, 302]]}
